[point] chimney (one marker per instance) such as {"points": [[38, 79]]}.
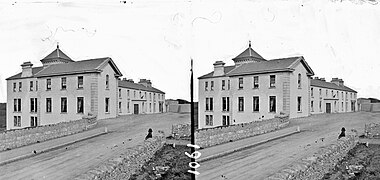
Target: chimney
{"points": [[316, 78], [337, 81], [146, 83], [124, 79], [219, 68], [130, 80], [322, 79], [26, 69], [341, 82]]}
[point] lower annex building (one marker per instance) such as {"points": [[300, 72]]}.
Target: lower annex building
{"points": [[64, 90], [254, 89]]}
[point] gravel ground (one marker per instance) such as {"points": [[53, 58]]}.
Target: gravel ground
{"points": [[361, 163]]}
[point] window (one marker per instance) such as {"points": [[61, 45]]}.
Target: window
{"points": [[48, 105], [31, 86], [228, 85], [150, 107], [225, 103], [256, 103], [107, 105], [14, 87], [128, 93], [326, 93], [80, 104], [320, 106], [342, 107], [17, 121], [299, 80], [36, 85], [320, 92], [312, 106], [206, 85], [17, 105], [119, 107], [226, 120], [80, 82], [33, 121], [63, 105], [128, 106], [48, 84], [299, 102], [134, 94], [209, 120], [241, 103], [212, 86], [346, 96], [272, 103], [63, 83], [312, 92], [223, 84], [255, 82], [19, 86], [240, 83], [107, 81], [209, 104], [119, 93], [33, 104], [272, 81]]}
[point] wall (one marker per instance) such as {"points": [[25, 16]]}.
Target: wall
{"points": [[127, 163], [218, 135], [296, 92], [317, 165], [179, 108], [181, 130], [110, 93], [370, 107], [372, 130], [21, 137]]}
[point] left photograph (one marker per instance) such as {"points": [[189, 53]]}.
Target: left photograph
{"points": [[94, 90]]}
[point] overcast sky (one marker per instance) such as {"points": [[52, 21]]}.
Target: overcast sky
{"points": [[156, 39]]}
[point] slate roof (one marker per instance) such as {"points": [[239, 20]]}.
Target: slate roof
{"points": [[227, 69], [324, 84], [35, 70], [137, 86], [57, 54], [249, 52]]}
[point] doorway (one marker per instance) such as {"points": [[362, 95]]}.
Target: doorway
{"points": [[135, 109], [328, 107]]}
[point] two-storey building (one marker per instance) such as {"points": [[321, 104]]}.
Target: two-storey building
{"points": [[253, 89]]}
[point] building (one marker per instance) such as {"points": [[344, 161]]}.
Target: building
{"points": [[331, 97], [254, 89], [63, 90], [140, 98]]}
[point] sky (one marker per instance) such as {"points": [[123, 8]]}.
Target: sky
{"points": [[156, 39]]}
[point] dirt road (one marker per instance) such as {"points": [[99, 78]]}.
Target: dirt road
{"points": [[266, 159], [71, 161]]}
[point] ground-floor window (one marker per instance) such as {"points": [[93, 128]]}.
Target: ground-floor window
{"points": [[312, 106], [33, 121], [48, 105], [320, 106], [226, 120], [119, 107], [256, 103], [128, 107], [209, 120], [17, 121], [64, 105], [80, 104], [107, 105], [299, 102], [241, 103], [272, 103]]}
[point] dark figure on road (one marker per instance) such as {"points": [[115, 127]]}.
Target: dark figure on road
{"points": [[342, 133], [149, 134]]}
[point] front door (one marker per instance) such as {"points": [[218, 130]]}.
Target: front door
{"points": [[328, 107], [135, 109]]}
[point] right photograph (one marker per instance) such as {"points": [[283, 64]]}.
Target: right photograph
{"points": [[285, 90]]}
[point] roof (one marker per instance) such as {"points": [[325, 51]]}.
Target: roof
{"points": [[249, 53], [227, 69], [137, 86], [35, 70], [329, 85], [275, 65], [75, 67], [57, 54]]}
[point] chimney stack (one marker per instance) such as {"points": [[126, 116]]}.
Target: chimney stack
{"points": [[322, 79], [145, 82], [26, 69], [219, 68], [337, 81]]}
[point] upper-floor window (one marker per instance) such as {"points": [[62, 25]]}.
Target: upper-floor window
{"points": [[209, 104], [241, 103], [19, 86], [272, 103], [14, 87], [48, 105], [33, 104], [327, 92], [206, 85], [241, 83], [272, 81], [17, 105], [128, 93], [312, 106], [107, 81], [48, 84], [312, 92], [299, 80], [255, 82], [320, 92], [212, 86], [256, 103], [119, 93], [223, 84], [31, 86], [63, 83], [80, 82]]}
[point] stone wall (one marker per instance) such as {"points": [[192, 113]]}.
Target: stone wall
{"points": [[179, 108], [372, 130], [317, 165], [218, 135], [126, 164], [370, 107], [21, 137], [181, 130]]}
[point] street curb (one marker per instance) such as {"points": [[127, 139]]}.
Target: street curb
{"points": [[25, 156], [245, 147]]}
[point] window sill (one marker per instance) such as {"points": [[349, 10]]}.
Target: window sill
{"points": [[48, 89], [79, 88], [272, 87], [255, 88], [80, 113], [63, 112], [32, 112], [299, 111], [255, 111], [273, 112], [225, 111], [63, 89], [240, 88], [107, 113]]}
